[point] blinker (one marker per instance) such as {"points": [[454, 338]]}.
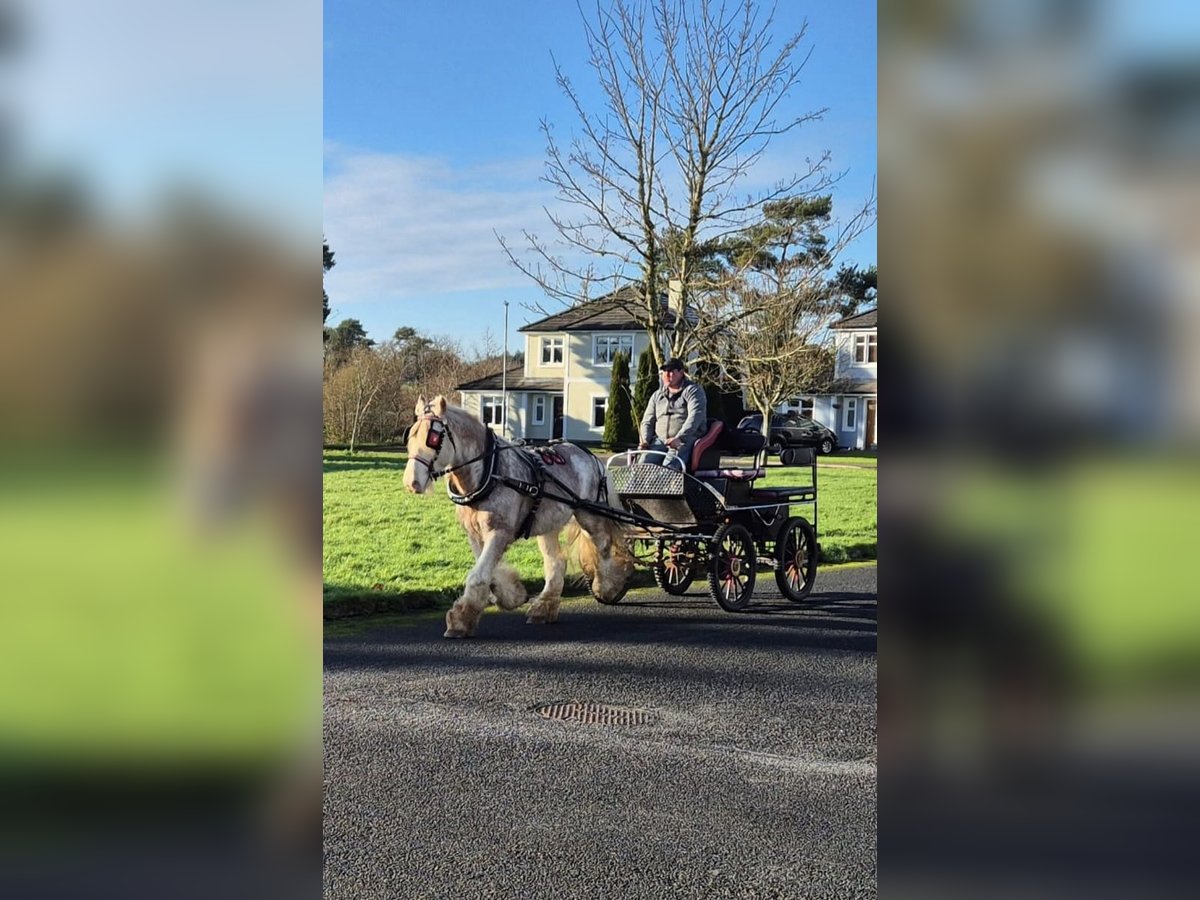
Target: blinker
{"points": [[433, 438]]}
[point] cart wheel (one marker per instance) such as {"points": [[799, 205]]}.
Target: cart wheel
{"points": [[796, 551], [733, 559], [676, 567]]}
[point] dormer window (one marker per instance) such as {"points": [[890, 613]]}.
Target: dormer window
{"points": [[552, 351], [866, 348]]}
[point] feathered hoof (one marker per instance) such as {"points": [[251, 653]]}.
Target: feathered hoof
{"points": [[541, 617], [460, 623], [610, 599], [508, 590]]}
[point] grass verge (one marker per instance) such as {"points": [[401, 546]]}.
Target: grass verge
{"points": [[389, 551]]}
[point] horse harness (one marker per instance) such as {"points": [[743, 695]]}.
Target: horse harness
{"points": [[536, 458]]}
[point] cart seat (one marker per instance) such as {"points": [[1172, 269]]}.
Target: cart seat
{"points": [[705, 454], [732, 474]]}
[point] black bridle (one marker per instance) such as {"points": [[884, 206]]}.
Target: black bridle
{"points": [[438, 432]]}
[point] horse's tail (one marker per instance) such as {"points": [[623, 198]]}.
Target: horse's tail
{"points": [[582, 546]]}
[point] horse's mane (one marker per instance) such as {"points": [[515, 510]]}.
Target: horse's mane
{"points": [[463, 422]]}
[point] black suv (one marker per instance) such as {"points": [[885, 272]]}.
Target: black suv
{"points": [[786, 431]]}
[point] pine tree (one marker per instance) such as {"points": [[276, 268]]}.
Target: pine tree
{"points": [[647, 384], [618, 420]]}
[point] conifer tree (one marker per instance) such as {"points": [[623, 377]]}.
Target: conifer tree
{"points": [[618, 420], [647, 384]]}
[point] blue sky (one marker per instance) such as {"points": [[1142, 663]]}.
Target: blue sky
{"points": [[432, 144]]}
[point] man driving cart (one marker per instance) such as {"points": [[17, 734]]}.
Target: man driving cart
{"points": [[675, 417]]}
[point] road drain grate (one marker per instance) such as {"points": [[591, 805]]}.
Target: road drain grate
{"points": [[592, 714]]}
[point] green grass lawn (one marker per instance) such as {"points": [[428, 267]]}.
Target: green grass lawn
{"points": [[386, 549]]}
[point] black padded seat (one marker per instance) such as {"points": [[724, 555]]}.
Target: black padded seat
{"points": [[732, 474]]}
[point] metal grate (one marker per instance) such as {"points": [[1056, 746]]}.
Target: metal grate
{"points": [[647, 479], [592, 714]]}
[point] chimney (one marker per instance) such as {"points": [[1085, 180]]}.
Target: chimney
{"points": [[675, 297]]}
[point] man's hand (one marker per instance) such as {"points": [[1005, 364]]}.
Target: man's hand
{"points": [[674, 443], [643, 446]]}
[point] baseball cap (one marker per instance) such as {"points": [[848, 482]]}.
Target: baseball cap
{"points": [[672, 363]]}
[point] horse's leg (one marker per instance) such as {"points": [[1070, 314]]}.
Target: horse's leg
{"points": [[614, 566], [463, 616], [554, 563], [507, 587]]}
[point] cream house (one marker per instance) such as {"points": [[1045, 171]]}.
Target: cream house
{"points": [[561, 391]]}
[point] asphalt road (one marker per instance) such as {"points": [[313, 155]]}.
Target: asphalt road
{"points": [[753, 775]]}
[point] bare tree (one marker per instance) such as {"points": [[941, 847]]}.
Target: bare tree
{"points": [[693, 94], [767, 312], [350, 391]]}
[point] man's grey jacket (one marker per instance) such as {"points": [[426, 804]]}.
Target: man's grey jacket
{"points": [[685, 416]]}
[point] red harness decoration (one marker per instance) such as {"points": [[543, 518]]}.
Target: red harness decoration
{"points": [[550, 456]]}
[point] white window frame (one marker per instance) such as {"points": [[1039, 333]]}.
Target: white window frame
{"points": [[868, 343], [850, 414], [539, 409], [592, 415], [547, 347], [496, 401], [608, 339]]}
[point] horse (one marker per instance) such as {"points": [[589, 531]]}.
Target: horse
{"points": [[504, 492]]}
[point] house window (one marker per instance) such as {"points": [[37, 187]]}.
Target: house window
{"points": [[491, 409], [599, 408], [539, 410], [850, 419], [866, 348], [605, 347], [800, 407], [552, 351]]}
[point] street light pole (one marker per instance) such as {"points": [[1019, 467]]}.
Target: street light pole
{"points": [[504, 375]]}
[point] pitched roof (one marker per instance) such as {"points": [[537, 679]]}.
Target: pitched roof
{"points": [[514, 382], [862, 320], [612, 312]]}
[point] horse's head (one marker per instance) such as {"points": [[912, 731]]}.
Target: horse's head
{"points": [[427, 443]]}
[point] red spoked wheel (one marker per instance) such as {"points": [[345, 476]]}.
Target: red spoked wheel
{"points": [[675, 569], [733, 560], [796, 553]]}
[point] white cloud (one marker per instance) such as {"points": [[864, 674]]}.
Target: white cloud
{"points": [[405, 227]]}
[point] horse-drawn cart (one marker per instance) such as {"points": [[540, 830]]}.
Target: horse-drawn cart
{"points": [[714, 520], [717, 523]]}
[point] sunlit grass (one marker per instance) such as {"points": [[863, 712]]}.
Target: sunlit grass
{"points": [[386, 548]]}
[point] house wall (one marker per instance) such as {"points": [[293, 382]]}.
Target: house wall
{"points": [[844, 365], [584, 379], [855, 437], [533, 357], [470, 402], [533, 432], [520, 413]]}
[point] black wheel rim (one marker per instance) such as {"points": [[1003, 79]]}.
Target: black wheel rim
{"points": [[796, 562], [732, 572]]}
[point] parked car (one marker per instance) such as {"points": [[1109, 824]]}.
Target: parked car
{"points": [[786, 431]]}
